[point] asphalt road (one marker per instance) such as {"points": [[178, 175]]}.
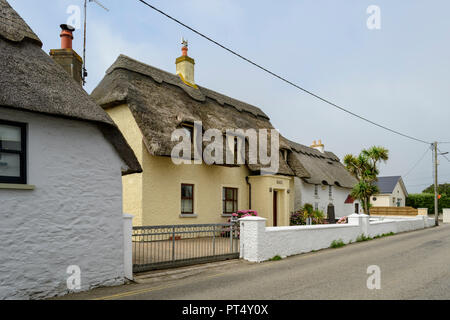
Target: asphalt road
{"points": [[414, 265]]}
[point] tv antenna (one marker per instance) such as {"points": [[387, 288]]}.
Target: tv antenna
{"points": [[84, 73]]}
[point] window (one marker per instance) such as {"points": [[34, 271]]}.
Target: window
{"points": [[284, 153], [230, 200], [356, 207], [187, 199], [12, 152], [330, 191], [316, 206], [316, 190]]}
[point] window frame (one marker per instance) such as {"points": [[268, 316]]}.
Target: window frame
{"points": [[185, 198], [22, 179], [234, 200], [316, 190]]}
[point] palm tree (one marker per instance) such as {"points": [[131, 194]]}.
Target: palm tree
{"points": [[364, 168]]}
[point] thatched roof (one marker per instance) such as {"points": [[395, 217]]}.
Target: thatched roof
{"points": [[32, 81], [12, 26], [316, 167], [160, 102]]}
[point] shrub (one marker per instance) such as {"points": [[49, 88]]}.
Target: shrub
{"points": [[276, 258], [244, 213], [362, 238], [337, 244], [234, 218], [299, 217], [426, 200]]}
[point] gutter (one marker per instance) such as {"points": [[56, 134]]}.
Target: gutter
{"points": [[249, 193]]}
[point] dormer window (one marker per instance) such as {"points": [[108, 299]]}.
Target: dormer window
{"points": [[284, 154], [189, 130]]}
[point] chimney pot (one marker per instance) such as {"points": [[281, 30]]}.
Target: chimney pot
{"points": [[66, 36], [185, 66], [66, 57]]}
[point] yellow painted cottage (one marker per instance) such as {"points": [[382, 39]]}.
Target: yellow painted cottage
{"points": [[148, 105]]}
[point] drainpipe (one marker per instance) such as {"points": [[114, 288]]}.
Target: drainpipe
{"points": [[249, 193]]}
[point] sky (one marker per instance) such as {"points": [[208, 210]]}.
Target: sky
{"points": [[397, 75]]}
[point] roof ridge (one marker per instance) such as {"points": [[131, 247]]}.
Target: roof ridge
{"points": [[327, 154], [199, 94]]}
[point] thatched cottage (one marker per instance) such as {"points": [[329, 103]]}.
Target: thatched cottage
{"points": [[148, 104], [323, 181], [61, 164]]}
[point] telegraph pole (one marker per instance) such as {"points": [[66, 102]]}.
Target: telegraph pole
{"points": [[436, 209]]}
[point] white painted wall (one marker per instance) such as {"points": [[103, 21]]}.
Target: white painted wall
{"points": [[446, 214], [73, 217], [304, 193], [260, 243]]}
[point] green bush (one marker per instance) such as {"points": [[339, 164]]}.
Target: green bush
{"points": [[276, 258], [362, 238], [299, 217], [337, 244], [426, 200]]}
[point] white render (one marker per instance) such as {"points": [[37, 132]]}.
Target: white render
{"points": [[128, 245], [305, 193], [260, 243], [72, 217], [446, 213]]}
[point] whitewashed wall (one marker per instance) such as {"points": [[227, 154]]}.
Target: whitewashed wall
{"points": [[260, 243], [72, 217], [304, 193]]}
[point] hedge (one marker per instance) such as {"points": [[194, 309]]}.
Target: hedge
{"points": [[425, 200]]}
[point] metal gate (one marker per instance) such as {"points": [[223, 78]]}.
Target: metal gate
{"points": [[159, 247]]}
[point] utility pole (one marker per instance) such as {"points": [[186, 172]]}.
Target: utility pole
{"points": [[436, 209]]}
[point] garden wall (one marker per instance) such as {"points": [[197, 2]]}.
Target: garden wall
{"points": [[260, 243]]}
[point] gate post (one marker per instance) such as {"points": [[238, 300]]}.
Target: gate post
{"points": [[173, 244], [128, 245], [252, 231]]}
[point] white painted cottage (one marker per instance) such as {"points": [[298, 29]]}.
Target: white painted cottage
{"points": [[322, 180], [61, 165]]}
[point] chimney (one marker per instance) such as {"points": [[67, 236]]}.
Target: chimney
{"points": [[66, 57], [318, 146], [185, 66]]}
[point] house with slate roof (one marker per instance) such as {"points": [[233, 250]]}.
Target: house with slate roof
{"points": [[393, 192]]}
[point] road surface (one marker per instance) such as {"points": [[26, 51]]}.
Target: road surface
{"points": [[414, 265]]}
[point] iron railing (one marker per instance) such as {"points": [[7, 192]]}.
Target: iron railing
{"points": [[158, 247]]}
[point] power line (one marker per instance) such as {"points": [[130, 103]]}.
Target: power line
{"points": [[418, 162], [442, 154], [278, 76], [418, 185]]}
